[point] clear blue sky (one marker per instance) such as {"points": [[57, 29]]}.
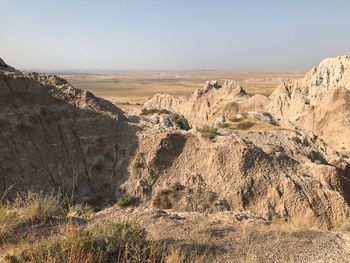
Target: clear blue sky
{"points": [[172, 34]]}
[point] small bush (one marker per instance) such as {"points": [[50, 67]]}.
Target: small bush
{"points": [[208, 131], [296, 139], [177, 118], [127, 200], [166, 198], [162, 199], [139, 165]]}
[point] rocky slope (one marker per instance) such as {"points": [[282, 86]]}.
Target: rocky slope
{"points": [[281, 174], [54, 136]]}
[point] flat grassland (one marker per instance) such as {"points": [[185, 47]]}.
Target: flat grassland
{"points": [[136, 86]]}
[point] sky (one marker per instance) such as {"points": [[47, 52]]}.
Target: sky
{"points": [[173, 34]]}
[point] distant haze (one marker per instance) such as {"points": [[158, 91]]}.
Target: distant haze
{"points": [[173, 34]]}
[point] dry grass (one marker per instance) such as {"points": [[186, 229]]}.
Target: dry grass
{"points": [[99, 242], [108, 242], [124, 242], [38, 206], [29, 208]]}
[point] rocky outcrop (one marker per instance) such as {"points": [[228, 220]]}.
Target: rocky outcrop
{"points": [[281, 174], [165, 101], [330, 118], [294, 98], [319, 102], [55, 136], [206, 104], [5, 67]]}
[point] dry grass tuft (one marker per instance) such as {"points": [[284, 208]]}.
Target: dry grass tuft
{"points": [[38, 206]]}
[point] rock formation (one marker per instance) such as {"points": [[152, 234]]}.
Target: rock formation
{"points": [[55, 136], [279, 174], [319, 102], [206, 104]]}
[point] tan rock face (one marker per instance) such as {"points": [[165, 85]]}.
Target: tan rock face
{"points": [[165, 101], [212, 101], [330, 119], [54, 136], [319, 102], [272, 174]]}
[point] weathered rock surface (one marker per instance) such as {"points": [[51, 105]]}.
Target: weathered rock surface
{"points": [[54, 136], [206, 104], [165, 101], [275, 174], [319, 102]]}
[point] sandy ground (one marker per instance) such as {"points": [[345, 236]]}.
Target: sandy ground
{"points": [[135, 87]]}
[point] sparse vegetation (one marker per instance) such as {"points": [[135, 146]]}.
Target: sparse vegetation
{"points": [[126, 200], [166, 198], [238, 125], [244, 125], [38, 206], [139, 165], [103, 242], [162, 199], [235, 119], [208, 131], [343, 225], [296, 139], [27, 210], [9, 220], [107, 242], [147, 112], [79, 210]]}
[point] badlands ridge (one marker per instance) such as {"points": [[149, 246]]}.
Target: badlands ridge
{"points": [[279, 157]]}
